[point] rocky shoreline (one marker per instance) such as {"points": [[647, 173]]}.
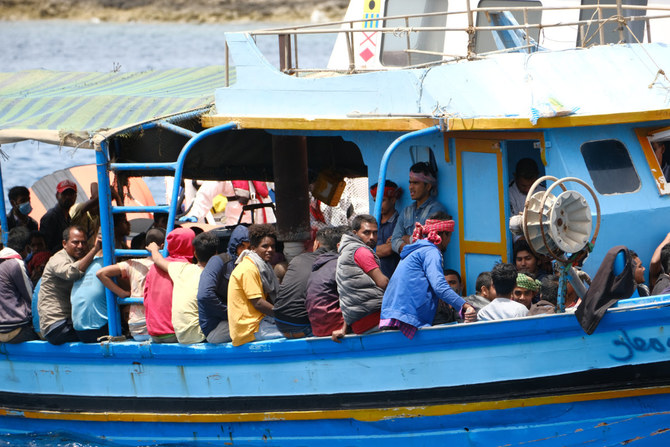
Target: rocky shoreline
{"points": [[195, 11]]}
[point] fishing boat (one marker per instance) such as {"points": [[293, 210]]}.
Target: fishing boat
{"points": [[390, 97]]}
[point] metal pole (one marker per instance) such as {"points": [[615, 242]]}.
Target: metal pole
{"points": [[106, 228], [3, 211], [619, 11], [385, 161]]}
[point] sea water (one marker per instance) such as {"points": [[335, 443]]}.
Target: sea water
{"points": [[90, 46], [82, 46]]}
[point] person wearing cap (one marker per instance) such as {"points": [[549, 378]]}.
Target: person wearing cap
{"points": [[525, 290], [422, 189], [388, 259], [411, 297], [57, 219]]}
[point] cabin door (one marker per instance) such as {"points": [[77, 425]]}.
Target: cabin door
{"points": [[482, 222]]}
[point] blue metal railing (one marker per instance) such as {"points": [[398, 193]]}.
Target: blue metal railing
{"points": [[107, 210]]}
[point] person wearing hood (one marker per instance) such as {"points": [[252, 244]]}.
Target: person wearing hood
{"points": [[158, 287], [16, 316], [411, 297], [253, 288], [213, 288], [322, 301]]}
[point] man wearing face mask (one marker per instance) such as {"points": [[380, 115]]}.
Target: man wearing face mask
{"points": [[57, 219], [19, 198]]}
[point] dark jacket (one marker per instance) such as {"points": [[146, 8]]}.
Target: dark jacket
{"points": [[322, 300], [290, 303]]}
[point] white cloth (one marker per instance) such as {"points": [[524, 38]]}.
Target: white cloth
{"points": [[204, 198], [501, 309]]}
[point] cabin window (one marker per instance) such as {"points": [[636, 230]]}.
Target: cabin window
{"points": [[590, 34], [484, 40], [400, 50], [610, 167]]}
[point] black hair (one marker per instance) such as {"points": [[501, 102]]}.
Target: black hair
{"points": [[423, 168], [205, 246], [18, 191], [139, 241], [549, 289], [527, 169], [522, 245], [156, 235], [66, 232], [452, 272], [504, 278], [359, 219], [258, 232], [197, 230], [483, 280], [665, 258], [18, 238], [37, 233], [329, 237]]}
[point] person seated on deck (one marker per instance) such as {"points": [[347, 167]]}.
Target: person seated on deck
{"points": [[663, 281], [388, 259], [659, 149], [525, 174], [38, 257], [186, 279], [19, 198], [57, 219], [160, 221], [60, 273], [134, 272], [89, 304], [548, 297], [484, 292], [503, 307], [16, 318], [410, 300], [526, 289], [360, 281], [121, 230], [213, 288], [252, 289], [638, 271], [526, 261], [289, 308], [422, 189], [158, 287], [322, 300], [445, 313]]}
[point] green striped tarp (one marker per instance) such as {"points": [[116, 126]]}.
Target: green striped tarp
{"points": [[72, 107]]}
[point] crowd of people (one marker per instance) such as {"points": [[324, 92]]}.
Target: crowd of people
{"points": [[361, 277]]}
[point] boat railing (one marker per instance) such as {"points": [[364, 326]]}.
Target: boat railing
{"points": [[590, 31]]}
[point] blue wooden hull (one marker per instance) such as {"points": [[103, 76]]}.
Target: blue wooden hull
{"points": [[537, 379]]}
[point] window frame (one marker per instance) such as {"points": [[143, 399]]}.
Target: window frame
{"points": [[632, 164]]}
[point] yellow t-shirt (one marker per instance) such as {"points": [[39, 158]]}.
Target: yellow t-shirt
{"points": [[186, 278], [243, 318]]}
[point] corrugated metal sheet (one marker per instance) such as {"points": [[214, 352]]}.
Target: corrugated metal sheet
{"points": [[55, 106]]}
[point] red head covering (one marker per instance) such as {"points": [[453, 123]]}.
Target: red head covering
{"points": [[431, 228], [180, 244], [389, 191]]}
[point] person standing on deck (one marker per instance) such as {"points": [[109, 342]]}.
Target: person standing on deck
{"points": [[387, 257], [57, 219], [525, 174], [422, 189], [19, 198]]}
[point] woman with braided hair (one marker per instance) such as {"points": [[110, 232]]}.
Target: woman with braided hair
{"points": [[412, 295]]}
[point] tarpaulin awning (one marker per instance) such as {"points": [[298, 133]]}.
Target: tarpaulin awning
{"points": [[71, 108]]}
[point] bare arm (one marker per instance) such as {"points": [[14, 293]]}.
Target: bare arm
{"points": [[379, 278], [384, 249], [105, 275], [339, 333], [157, 257], [263, 305], [655, 263], [92, 202], [88, 258]]}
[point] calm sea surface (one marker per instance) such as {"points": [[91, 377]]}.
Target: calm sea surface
{"points": [[79, 46], [83, 46]]}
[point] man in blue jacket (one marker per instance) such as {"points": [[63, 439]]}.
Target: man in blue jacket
{"points": [[411, 297]]}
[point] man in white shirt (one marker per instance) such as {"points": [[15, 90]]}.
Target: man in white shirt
{"points": [[503, 307]]}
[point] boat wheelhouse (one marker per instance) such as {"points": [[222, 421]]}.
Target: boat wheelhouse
{"points": [[587, 113]]}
